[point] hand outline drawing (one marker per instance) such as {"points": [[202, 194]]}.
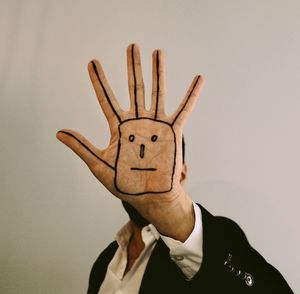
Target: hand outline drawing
{"points": [[144, 154]]}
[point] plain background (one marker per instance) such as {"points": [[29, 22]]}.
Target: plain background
{"points": [[242, 139]]}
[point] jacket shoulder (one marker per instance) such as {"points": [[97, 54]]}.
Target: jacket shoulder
{"points": [[231, 230]]}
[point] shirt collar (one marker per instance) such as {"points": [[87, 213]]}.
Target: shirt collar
{"points": [[123, 235], [153, 230]]}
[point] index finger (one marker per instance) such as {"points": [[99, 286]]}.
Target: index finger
{"points": [[105, 95]]}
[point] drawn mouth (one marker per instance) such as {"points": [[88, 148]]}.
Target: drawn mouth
{"points": [[144, 169]]}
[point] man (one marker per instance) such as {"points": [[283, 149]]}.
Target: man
{"points": [[171, 244]]}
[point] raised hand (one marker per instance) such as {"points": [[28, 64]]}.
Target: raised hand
{"points": [[144, 156]]}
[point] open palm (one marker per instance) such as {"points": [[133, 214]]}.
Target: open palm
{"points": [[144, 156]]}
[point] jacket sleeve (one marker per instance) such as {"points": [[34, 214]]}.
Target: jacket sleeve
{"points": [[262, 276]]}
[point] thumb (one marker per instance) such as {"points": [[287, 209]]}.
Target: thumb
{"points": [[80, 145]]}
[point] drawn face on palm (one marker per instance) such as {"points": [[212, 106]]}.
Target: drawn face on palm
{"points": [[144, 154], [146, 157]]}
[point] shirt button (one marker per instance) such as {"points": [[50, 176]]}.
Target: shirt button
{"points": [[178, 257], [232, 269], [249, 280]]}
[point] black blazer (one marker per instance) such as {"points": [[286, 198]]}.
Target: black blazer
{"points": [[230, 265]]}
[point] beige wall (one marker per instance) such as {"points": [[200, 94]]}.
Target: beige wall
{"points": [[242, 140]]}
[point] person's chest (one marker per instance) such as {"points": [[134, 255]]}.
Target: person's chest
{"points": [[127, 267]]}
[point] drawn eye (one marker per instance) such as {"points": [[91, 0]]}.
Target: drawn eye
{"points": [[153, 138], [131, 138]]}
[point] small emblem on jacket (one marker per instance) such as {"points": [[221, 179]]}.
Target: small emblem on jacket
{"points": [[232, 268]]}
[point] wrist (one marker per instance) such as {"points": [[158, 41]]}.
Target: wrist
{"points": [[172, 216]]}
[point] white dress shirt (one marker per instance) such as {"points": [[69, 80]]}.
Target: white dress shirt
{"points": [[187, 255]]}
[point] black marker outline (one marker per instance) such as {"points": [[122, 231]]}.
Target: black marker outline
{"points": [[157, 85], [105, 92], [142, 151], [146, 169], [86, 147], [187, 100], [118, 154], [134, 80], [154, 138]]}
